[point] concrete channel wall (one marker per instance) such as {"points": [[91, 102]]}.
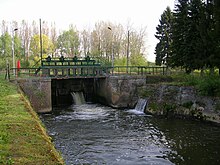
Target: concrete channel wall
{"points": [[119, 91], [38, 92]]}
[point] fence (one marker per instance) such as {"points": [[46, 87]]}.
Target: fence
{"points": [[83, 71]]}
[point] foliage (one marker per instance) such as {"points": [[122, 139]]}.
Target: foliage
{"points": [[187, 104], [6, 50], [209, 86], [121, 61], [163, 34], [47, 45], [104, 40], [194, 33], [138, 60], [180, 47], [68, 42], [19, 51]]}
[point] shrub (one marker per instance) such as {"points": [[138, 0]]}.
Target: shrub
{"points": [[209, 86]]}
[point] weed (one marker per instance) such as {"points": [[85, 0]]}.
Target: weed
{"points": [[187, 104], [209, 86]]}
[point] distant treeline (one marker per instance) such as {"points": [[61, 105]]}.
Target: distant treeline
{"points": [[105, 40]]}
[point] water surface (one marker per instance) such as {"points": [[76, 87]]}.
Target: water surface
{"points": [[95, 134]]}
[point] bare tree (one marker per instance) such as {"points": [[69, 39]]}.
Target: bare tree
{"points": [[45, 28], [53, 36], [35, 28], [25, 32], [86, 41]]}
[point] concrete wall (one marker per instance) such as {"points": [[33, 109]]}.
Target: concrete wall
{"points": [[38, 92], [119, 91], [168, 100], [114, 91]]}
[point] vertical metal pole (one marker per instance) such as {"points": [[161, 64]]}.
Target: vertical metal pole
{"points": [[41, 48], [112, 42], [112, 55], [13, 50], [128, 47], [13, 54]]}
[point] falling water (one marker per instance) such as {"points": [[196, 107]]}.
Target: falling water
{"points": [[78, 98], [141, 104], [139, 108]]}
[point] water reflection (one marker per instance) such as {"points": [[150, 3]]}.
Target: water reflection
{"points": [[95, 134]]}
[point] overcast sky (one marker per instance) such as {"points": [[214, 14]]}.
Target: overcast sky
{"points": [[85, 13]]}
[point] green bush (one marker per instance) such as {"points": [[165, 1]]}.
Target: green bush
{"points": [[209, 86]]}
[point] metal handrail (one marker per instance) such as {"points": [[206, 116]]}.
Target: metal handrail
{"points": [[47, 71]]}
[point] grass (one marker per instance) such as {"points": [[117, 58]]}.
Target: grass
{"points": [[207, 85], [23, 140]]}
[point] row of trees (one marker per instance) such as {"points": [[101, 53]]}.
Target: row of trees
{"points": [[105, 40], [189, 37]]}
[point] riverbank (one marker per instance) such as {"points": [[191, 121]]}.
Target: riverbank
{"points": [[23, 140], [196, 98]]}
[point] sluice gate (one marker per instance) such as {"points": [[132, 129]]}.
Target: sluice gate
{"points": [[62, 90]]}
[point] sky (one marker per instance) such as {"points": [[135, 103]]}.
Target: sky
{"points": [[85, 13]]}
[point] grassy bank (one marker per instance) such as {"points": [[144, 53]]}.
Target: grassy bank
{"points": [[23, 140], [207, 85]]}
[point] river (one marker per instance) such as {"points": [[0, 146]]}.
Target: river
{"points": [[96, 134]]}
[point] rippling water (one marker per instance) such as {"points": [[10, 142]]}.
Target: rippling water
{"points": [[95, 134]]}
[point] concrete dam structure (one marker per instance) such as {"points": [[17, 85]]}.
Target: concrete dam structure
{"points": [[114, 91]]}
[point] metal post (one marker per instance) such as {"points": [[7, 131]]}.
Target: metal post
{"points": [[13, 50], [41, 47], [128, 47], [112, 38]]}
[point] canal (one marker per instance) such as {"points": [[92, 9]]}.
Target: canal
{"points": [[96, 134]]}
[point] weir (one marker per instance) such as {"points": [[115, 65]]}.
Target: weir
{"points": [[78, 98], [141, 105], [114, 91], [69, 91]]}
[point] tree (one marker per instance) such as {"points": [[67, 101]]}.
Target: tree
{"points": [[25, 37], [86, 43], [214, 15], [18, 49], [68, 42], [196, 38], [137, 47], [53, 37], [6, 49], [164, 35], [179, 30], [47, 45]]}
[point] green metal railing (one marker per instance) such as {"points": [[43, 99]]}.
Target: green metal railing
{"points": [[80, 67], [81, 71], [139, 70], [75, 61]]}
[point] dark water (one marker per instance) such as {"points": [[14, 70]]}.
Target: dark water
{"points": [[95, 134]]}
